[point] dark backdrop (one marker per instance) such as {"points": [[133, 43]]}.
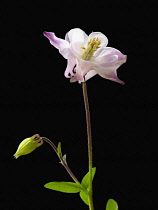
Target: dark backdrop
{"points": [[35, 97]]}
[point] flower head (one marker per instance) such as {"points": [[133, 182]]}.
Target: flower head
{"points": [[88, 55], [28, 145]]}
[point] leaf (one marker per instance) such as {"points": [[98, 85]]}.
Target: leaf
{"points": [[85, 185], [85, 180], [64, 158], [66, 187], [59, 149], [84, 197], [111, 205]]}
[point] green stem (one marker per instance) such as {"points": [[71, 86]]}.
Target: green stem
{"points": [[85, 96], [63, 162]]}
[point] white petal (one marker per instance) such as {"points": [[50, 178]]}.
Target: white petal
{"points": [[70, 65], [109, 56], [106, 52], [109, 60], [56, 42], [82, 68], [66, 53], [90, 74], [100, 52], [76, 37], [109, 73], [101, 37]]}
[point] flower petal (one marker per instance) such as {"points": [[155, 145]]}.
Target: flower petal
{"points": [[108, 53], [90, 74], [109, 56], [66, 53], [70, 66], [76, 37], [109, 73], [56, 42], [107, 60], [121, 58], [82, 68], [101, 37]]}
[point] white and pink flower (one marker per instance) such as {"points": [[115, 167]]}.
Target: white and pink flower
{"points": [[88, 55]]}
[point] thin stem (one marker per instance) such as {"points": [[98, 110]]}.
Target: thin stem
{"points": [[63, 162], [85, 96]]}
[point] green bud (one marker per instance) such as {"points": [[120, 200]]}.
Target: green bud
{"points": [[28, 145]]}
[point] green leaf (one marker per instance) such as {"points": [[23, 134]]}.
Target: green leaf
{"points": [[85, 180], [59, 149], [64, 158], [66, 187], [111, 205], [84, 197], [85, 185]]}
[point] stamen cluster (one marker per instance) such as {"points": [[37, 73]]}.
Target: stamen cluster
{"points": [[92, 46]]}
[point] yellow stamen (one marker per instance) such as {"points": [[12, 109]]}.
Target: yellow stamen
{"points": [[92, 46]]}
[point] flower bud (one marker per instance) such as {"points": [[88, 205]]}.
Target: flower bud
{"points": [[28, 145]]}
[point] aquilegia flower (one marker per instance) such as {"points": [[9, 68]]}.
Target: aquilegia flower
{"points": [[88, 55]]}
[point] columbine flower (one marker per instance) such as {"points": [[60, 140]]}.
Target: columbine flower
{"points": [[28, 145], [88, 55]]}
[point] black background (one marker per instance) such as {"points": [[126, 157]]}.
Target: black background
{"points": [[35, 97]]}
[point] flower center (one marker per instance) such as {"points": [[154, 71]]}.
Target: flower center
{"points": [[92, 46]]}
